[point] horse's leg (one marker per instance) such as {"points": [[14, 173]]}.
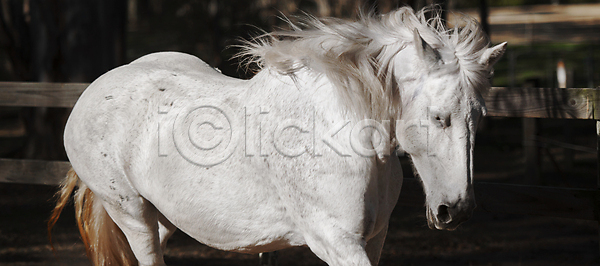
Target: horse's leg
{"points": [[374, 246], [165, 230], [138, 219], [338, 248]]}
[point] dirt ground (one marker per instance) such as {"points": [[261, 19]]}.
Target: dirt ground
{"points": [[486, 239]]}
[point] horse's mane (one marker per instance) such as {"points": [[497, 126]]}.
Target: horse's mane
{"points": [[357, 56]]}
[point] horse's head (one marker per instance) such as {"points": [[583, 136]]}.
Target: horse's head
{"points": [[441, 108]]}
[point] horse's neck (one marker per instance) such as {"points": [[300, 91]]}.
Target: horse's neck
{"points": [[318, 91], [310, 88]]}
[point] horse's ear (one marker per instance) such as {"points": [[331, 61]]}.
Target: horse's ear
{"points": [[424, 50], [492, 55]]}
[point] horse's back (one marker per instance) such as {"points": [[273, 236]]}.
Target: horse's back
{"points": [[176, 62]]}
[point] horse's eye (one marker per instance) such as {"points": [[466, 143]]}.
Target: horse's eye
{"points": [[441, 119]]}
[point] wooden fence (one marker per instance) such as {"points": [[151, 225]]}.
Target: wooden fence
{"points": [[571, 103]]}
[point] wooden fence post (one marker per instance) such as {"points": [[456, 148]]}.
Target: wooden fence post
{"points": [[597, 199], [531, 151]]}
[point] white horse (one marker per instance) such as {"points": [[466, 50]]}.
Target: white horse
{"points": [[301, 154]]}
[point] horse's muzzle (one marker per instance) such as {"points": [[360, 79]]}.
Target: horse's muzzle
{"points": [[447, 217]]}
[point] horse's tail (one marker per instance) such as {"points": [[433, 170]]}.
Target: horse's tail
{"points": [[104, 242]]}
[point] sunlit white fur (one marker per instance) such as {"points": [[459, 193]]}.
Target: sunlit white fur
{"points": [[418, 75]]}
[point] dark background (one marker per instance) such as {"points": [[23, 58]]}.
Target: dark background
{"points": [[77, 41]]}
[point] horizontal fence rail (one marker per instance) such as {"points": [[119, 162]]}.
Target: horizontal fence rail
{"points": [[40, 94], [570, 103], [35, 172], [573, 103]]}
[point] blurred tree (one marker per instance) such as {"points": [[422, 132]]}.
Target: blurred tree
{"points": [[60, 41], [63, 40], [483, 16]]}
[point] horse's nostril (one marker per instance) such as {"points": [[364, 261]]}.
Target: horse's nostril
{"points": [[443, 215]]}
